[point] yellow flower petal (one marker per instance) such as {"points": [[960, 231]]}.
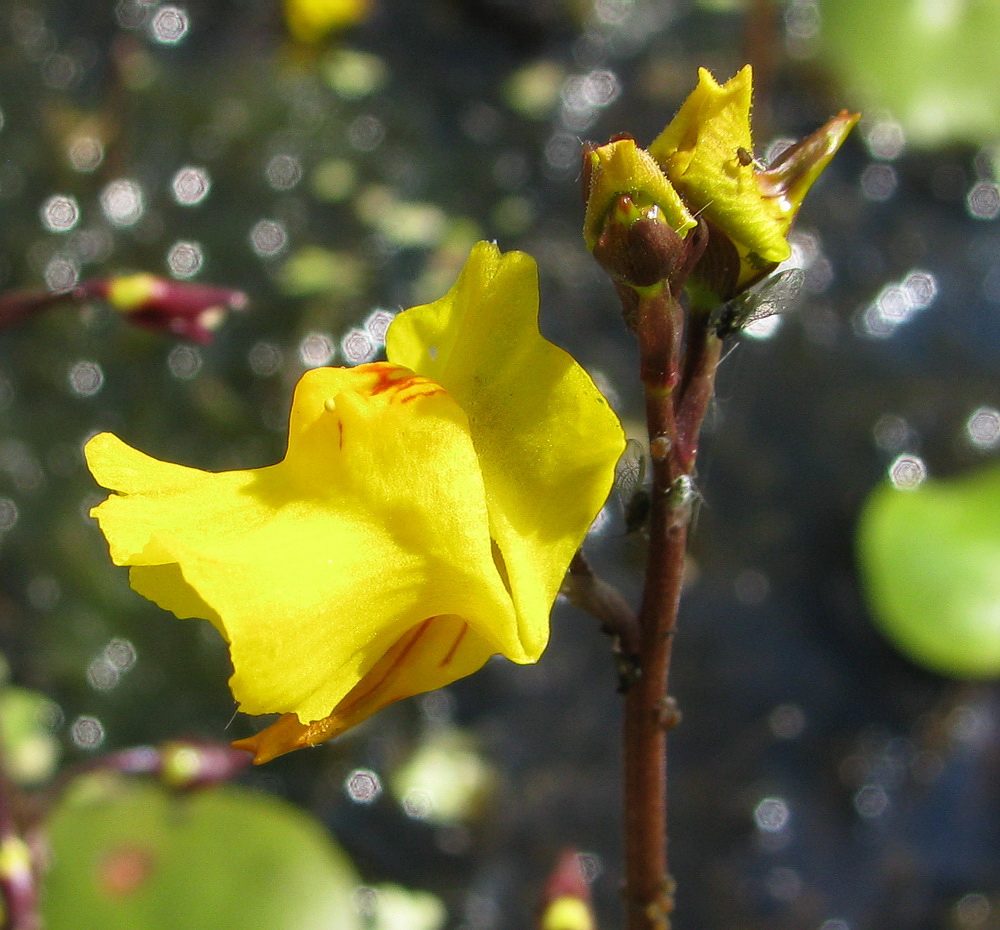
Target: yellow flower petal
{"points": [[312, 569], [705, 151], [621, 167], [439, 651], [546, 439], [312, 20]]}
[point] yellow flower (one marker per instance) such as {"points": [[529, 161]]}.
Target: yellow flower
{"points": [[706, 152], [421, 520], [311, 21]]}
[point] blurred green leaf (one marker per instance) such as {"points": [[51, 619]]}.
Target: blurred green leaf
{"points": [[315, 270], [127, 855], [397, 908], [932, 64], [30, 749], [930, 559], [445, 780]]}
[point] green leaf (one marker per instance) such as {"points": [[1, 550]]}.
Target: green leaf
{"points": [[128, 855], [30, 749], [445, 780], [930, 560], [933, 65]]}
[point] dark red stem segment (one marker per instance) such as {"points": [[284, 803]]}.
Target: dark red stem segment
{"points": [[675, 409], [18, 881], [19, 305]]}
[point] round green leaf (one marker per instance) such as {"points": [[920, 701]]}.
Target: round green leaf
{"points": [[30, 749], [930, 560], [932, 65], [128, 855]]}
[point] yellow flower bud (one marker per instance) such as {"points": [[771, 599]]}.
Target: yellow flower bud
{"points": [[706, 152], [622, 168]]}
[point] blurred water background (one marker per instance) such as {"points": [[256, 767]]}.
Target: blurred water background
{"points": [[818, 779]]}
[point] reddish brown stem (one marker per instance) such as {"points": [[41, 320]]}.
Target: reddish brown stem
{"points": [[18, 305], [648, 711], [703, 352]]}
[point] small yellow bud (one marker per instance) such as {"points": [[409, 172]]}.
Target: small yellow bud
{"points": [[568, 913], [622, 168]]}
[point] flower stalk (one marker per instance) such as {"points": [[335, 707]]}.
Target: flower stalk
{"points": [[673, 421], [695, 217]]}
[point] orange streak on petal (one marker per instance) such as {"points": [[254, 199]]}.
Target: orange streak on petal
{"points": [[401, 381], [454, 646], [288, 733], [384, 668]]}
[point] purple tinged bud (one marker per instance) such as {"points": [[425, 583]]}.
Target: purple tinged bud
{"points": [[189, 311]]}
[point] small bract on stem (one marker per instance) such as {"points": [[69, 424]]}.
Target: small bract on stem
{"points": [[695, 215]]}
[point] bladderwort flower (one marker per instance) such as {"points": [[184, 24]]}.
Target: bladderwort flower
{"points": [[705, 157], [421, 521]]}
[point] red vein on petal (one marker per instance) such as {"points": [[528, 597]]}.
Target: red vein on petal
{"points": [[454, 646], [352, 699]]}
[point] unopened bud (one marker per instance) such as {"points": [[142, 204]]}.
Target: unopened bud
{"points": [[637, 247], [622, 169], [190, 311], [567, 897]]}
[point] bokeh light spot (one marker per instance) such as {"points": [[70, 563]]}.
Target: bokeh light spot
{"points": [[983, 428], [122, 202], [316, 349], [879, 182], [973, 910], [60, 213], [265, 359], [87, 733], [772, 815], [85, 153], [562, 151], [787, 721], [268, 237], [418, 804], [169, 25], [885, 139], [283, 172], [366, 133], [191, 186], [8, 513], [983, 201], [102, 675], [908, 472], [184, 362], [898, 303], [377, 324], [121, 654], [86, 378], [185, 259], [871, 801], [363, 786], [357, 347]]}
